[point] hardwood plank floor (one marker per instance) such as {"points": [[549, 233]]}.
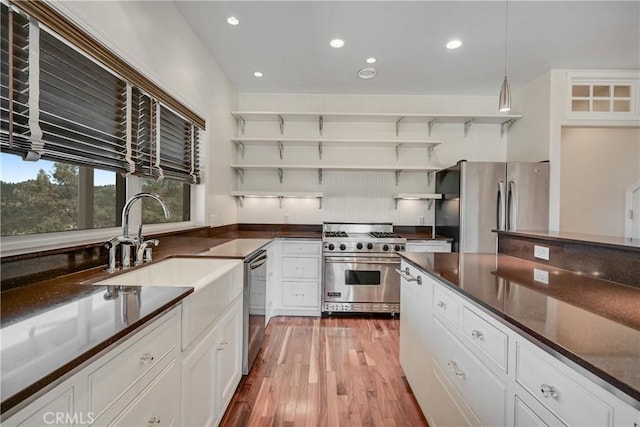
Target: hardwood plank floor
{"points": [[339, 371]]}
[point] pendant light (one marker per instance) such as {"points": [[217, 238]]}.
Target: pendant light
{"points": [[504, 102]]}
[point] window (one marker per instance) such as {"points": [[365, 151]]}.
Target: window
{"points": [[74, 130]]}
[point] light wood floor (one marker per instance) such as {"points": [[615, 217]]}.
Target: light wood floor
{"points": [[326, 372]]}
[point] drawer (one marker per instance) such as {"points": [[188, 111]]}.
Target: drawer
{"points": [[570, 402], [446, 305], [492, 344], [300, 247], [300, 268], [485, 394], [157, 405], [300, 294], [438, 246], [112, 379]]}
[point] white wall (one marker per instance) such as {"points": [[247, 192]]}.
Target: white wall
{"points": [[155, 39], [598, 165], [359, 196]]}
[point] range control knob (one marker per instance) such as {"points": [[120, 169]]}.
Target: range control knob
{"points": [[369, 246], [359, 246], [331, 246], [396, 248], [343, 247], [385, 248]]}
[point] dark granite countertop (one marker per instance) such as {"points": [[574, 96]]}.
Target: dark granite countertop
{"points": [[591, 323], [625, 243], [49, 330]]}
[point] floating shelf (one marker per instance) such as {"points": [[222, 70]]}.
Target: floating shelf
{"points": [[505, 120], [417, 196], [240, 169], [281, 142], [279, 194]]}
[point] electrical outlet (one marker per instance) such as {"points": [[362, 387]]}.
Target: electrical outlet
{"points": [[421, 220], [541, 252], [285, 219], [213, 220], [541, 276]]}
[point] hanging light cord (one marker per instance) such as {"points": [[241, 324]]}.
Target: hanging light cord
{"points": [[506, 32]]}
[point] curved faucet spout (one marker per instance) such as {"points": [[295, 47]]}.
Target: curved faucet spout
{"points": [[127, 208]]}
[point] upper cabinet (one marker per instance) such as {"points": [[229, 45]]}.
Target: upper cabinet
{"points": [[601, 95]]}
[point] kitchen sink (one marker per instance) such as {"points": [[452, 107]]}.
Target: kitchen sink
{"points": [[192, 272]]}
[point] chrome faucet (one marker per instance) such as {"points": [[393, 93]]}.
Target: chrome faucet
{"points": [[126, 241]]}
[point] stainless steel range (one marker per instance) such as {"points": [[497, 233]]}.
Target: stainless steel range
{"points": [[359, 268]]}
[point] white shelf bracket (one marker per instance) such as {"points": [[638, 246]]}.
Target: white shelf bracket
{"points": [[320, 150], [398, 125], [240, 147], [320, 124], [240, 123], [505, 126], [430, 175], [280, 199], [398, 152], [240, 174], [319, 202], [430, 151], [280, 149], [281, 120], [319, 176], [241, 201], [431, 123], [397, 177], [280, 174], [396, 200], [467, 125], [429, 204]]}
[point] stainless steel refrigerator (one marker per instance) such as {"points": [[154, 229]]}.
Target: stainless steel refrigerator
{"points": [[478, 197]]}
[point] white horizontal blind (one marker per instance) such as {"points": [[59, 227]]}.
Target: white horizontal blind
{"points": [[14, 91]]}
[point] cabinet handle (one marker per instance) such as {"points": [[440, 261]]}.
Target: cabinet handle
{"points": [[441, 304], [154, 420], [224, 342], [408, 277], [548, 391], [147, 358], [457, 371], [476, 334]]}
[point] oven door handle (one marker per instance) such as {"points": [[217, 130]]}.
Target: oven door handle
{"points": [[360, 261], [408, 277]]}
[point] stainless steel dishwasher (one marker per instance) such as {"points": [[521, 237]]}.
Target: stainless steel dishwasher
{"points": [[254, 298]]}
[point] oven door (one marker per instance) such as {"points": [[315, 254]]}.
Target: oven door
{"points": [[361, 279]]}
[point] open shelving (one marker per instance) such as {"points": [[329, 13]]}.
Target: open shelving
{"points": [[417, 196], [240, 195]]}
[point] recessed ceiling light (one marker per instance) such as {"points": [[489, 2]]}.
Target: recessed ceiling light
{"points": [[371, 60], [258, 73], [232, 20], [337, 43], [454, 44], [366, 73]]}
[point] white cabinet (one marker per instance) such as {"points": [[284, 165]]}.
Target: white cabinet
{"points": [[56, 407], [211, 371], [294, 289], [485, 373], [602, 96], [428, 246]]}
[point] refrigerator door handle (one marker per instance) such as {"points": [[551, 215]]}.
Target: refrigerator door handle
{"points": [[512, 206], [500, 213]]}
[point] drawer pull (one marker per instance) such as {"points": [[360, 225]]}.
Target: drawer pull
{"points": [[147, 358], [442, 304], [457, 371], [548, 391], [408, 277], [153, 421], [476, 334]]}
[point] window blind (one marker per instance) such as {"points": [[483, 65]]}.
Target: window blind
{"points": [[85, 113]]}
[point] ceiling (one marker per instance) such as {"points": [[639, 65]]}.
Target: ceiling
{"points": [[289, 42]]}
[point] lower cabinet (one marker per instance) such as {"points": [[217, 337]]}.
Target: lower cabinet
{"points": [[468, 369], [212, 370]]}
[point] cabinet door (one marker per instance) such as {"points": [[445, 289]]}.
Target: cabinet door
{"points": [[54, 408], [157, 405], [198, 402], [228, 358]]}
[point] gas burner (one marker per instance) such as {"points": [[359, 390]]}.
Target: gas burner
{"points": [[335, 234], [384, 235]]}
